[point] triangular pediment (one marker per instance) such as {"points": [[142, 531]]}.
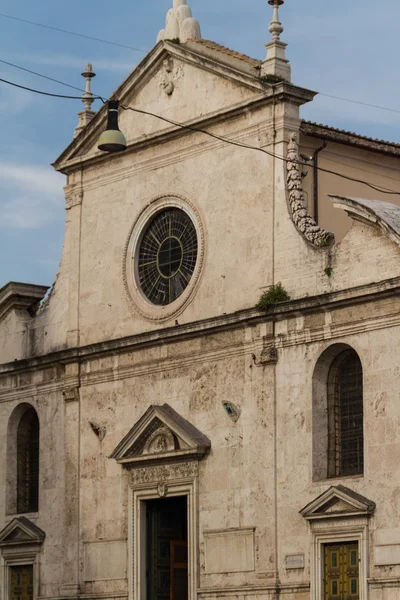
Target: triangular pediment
{"points": [[21, 531], [161, 433], [204, 81], [338, 501]]}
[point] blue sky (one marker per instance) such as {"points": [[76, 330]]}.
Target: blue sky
{"points": [[340, 48]]}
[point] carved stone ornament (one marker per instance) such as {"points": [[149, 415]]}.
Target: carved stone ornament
{"points": [[168, 76], [162, 490], [303, 221], [98, 430], [232, 410], [71, 394], [162, 440], [268, 356], [161, 435], [164, 473]]}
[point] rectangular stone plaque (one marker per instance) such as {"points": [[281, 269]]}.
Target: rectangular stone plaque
{"points": [[294, 561], [229, 551], [387, 555], [105, 560]]}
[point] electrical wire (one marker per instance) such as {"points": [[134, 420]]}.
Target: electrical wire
{"points": [[28, 89], [273, 155], [213, 135], [393, 110], [82, 35], [37, 24], [41, 75]]}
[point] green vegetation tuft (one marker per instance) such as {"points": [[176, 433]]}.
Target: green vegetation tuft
{"points": [[271, 79], [275, 295]]}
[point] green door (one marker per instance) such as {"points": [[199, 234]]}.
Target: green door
{"points": [[21, 582], [341, 572]]}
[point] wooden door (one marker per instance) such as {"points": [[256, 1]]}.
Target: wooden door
{"points": [[179, 570], [166, 539], [341, 572], [21, 582]]}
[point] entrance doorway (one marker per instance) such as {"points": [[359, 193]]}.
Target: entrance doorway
{"points": [[341, 571], [167, 549], [21, 582]]}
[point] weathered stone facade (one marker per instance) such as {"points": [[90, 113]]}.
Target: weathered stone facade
{"points": [[205, 398]]}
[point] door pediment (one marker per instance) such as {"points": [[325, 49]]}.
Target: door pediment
{"points": [[161, 434], [21, 531], [338, 501]]}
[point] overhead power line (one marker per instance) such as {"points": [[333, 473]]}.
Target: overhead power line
{"points": [[96, 39], [28, 89], [41, 75], [213, 135], [82, 35], [272, 154], [394, 110]]}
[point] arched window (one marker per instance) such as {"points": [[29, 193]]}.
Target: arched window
{"points": [[338, 431], [28, 462], [345, 406]]}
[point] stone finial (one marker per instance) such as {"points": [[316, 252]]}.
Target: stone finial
{"points": [[180, 24], [87, 114], [276, 62]]}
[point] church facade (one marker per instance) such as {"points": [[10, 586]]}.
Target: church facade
{"points": [[164, 433]]}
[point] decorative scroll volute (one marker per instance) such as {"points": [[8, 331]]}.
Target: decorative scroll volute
{"points": [[303, 221]]}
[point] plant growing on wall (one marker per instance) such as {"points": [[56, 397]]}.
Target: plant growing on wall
{"points": [[275, 295]]}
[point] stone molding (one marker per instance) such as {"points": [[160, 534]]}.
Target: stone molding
{"points": [[74, 157], [205, 144], [71, 394], [21, 296], [161, 435], [20, 532], [338, 515], [160, 474], [302, 220], [382, 216], [304, 306], [338, 502], [136, 298], [73, 195]]}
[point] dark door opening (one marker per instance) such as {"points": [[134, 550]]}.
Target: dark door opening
{"points": [[167, 549]]}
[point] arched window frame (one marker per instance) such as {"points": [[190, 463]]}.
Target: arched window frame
{"points": [[339, 466], [324, 400], [23, 451]]}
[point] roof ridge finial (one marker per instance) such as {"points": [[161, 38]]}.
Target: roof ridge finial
{"points": [[180, 24], [87, 114], [276, 62], [276, 26]]}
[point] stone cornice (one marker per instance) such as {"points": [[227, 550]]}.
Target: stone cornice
{"points": [[304, 306], [74, 155], [20, 296], [282, 92]]}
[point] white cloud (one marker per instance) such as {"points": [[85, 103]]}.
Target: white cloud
{"points": [[31, 196]]}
